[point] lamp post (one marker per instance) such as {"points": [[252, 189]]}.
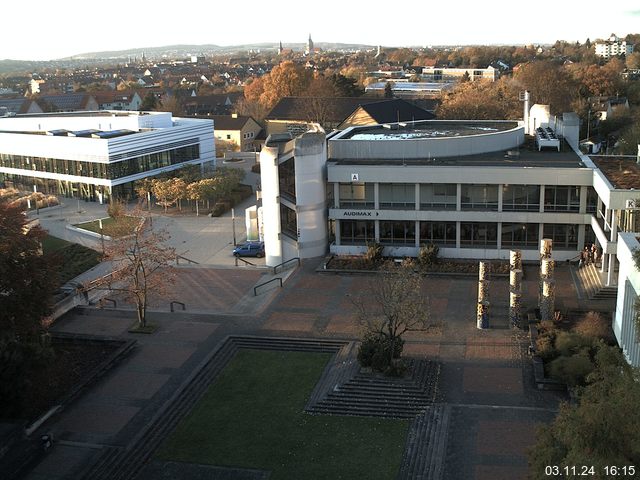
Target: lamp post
{"points": [[233, 225]]}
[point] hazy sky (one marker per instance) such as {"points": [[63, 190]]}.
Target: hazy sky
{"points": [[48, 30]]}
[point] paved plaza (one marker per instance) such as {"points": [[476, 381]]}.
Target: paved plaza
{"points": [[485, 378]]}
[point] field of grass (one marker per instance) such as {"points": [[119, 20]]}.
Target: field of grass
{"points": [[112, 227], [70, 259], [252, 417]]}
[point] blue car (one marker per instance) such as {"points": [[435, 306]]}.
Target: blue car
{"points": [[249, 249]]}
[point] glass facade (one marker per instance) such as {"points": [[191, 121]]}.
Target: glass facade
{"points": [[565, 237], [560, 198], [401, 196], [287, 179], [439, 233], [288, 222], [438, 196], [521, 198], [521, 235], [398, 233], [479, 197], [357, 232], [478, 235], [111, 171], [357, 195]]}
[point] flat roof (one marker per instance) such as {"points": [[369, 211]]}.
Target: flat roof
{"points": [[527, 155], [622, 171], [427, 129]]}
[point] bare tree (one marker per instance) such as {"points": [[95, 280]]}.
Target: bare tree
{"points": [[392, 304], [142, 261]]}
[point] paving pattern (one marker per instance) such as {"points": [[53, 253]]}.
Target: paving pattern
{"points": [[477, 425]]}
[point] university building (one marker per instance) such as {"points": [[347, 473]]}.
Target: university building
{"points": [[477, 189], [99, 155]]}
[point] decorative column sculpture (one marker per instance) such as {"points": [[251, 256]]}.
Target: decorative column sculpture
{"points": [[515, 287], [482, 318], [547, 283]]}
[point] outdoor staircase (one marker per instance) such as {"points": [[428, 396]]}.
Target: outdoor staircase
{"points": [[426, 445], [591, 282], [375, 395]]}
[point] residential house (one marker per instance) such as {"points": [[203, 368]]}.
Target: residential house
{"points": [[240, 130], [118, 100]]}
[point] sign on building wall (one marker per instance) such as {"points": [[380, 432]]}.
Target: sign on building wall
{"points": [[355, 177]]}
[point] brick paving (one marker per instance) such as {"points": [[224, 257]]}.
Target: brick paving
{"points": [[485, 378]]}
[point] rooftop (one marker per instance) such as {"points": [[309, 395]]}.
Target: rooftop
{"points": [[527, 156], [435, 129], [622, 171]]}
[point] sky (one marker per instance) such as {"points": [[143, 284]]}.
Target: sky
{"points": [[49, 30]]}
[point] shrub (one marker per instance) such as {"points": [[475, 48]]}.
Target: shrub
{"points": [[375, 351], [219, 208], [545, 348], [374, 253], [568, 343], [116, 209], [571, 370], [592, 325], [428, 255]]}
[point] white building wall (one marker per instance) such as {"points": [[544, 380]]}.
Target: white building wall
{"points": [[269, 180], [310, 156], [628, 291]]}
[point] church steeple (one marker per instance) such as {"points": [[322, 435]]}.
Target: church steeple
{"points": [[309, 50], [280, 48]]}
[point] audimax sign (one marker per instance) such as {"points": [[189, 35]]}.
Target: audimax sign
{"points": [[359, 213]]}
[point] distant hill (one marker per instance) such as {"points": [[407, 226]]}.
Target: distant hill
{"points": [[173, 51]]}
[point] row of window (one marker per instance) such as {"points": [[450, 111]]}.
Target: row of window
{"points": [[472, 234], [110, 171], [473, 197]]}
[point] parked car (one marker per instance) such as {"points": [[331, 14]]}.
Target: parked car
{"points": [[249, 249]]}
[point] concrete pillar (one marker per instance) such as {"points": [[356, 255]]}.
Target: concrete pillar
{"points": [[515, 307], [337, 231], [417, 196], [376, 230], [484, 269], [336, 195], [458, 199], [612, 269], [583, 199], [458, 232], [376, 196], [541, 202], [482, 315], [500, 196]]}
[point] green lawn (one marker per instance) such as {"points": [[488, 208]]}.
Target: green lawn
{"points": [[112, 227], [252, 418], [70, 259]]}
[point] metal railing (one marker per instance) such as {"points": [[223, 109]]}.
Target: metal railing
{"points": [[188, 260], [295, 259], [244, 261], [255, 289], [175, 302]]}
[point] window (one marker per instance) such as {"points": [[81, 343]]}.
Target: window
{"points": [[564, 237], [228, 136], [356, 195], [592, 200], [397, 195], [357, 232], [398, 232], [479, 197], [439, 233], [438, 196], [521, 235], [521, 198], [287, 179], [288, 222], [478, 235], [561, 198]]}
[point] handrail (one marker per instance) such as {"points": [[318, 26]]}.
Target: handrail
{"points": [[176, 302], [245, 261], [102, 300], [178, 257], [255, 289], [295, 259]]}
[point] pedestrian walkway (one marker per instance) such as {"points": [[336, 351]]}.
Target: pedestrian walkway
{"points": [[486, 387]]}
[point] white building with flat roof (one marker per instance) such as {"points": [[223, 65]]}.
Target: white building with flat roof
{"points": [[613, 47], [99, 155]]}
